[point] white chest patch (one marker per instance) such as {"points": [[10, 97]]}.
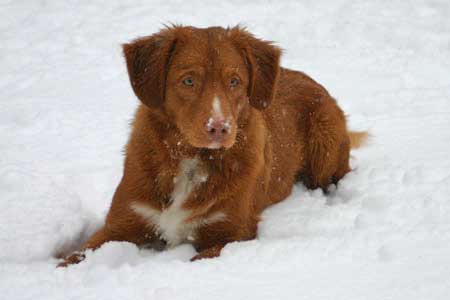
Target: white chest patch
{"points": [[170, 222]]}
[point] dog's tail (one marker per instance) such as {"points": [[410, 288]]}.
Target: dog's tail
{"points": [[358, 138]]}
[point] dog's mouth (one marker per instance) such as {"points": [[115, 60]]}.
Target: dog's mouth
{"points": [[212, 133], [212, 139], [219, 145], [212, 143]]}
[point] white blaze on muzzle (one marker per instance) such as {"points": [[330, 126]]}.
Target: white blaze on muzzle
{"points": [[217, 108]]}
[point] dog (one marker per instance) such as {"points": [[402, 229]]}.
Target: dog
{"points": [[222, 131]]}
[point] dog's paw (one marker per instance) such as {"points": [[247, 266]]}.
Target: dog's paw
{"points": [[208, 253], [71, 260]]}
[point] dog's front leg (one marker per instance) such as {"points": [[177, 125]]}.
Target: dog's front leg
{"points": [[109, 232], [211, 252], [240, 201], [121, 224], [94, 242], [212, 238]]}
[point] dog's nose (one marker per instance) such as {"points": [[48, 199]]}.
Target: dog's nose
{"points": [[217, 128]]}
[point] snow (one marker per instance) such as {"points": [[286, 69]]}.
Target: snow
{"points": [[66, 102]]}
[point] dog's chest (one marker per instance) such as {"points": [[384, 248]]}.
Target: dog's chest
{"points": [[170, 222]]}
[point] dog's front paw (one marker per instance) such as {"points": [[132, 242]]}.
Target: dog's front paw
{"points": [[72, 259], [208, 253]]}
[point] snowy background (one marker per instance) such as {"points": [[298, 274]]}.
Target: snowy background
{"points": [[65, 106]]}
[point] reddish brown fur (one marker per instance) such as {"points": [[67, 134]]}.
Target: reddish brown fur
{"points": [[301, 135]]}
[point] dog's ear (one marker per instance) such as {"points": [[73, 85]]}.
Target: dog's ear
{"points": [[263, 60], [147, 62]]}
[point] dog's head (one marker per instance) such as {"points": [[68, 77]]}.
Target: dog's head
{"points": [[203, 79]]}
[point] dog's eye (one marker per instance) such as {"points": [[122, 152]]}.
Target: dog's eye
{"points": [[188, 81], [234, 82]]}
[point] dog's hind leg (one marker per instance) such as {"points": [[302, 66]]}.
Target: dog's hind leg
{"points": [[328, 146]]}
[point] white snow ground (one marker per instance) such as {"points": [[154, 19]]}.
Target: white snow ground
{"points": [[65, 104]]}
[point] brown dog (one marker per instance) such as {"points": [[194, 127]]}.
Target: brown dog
{"points": [[222, 133]]}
